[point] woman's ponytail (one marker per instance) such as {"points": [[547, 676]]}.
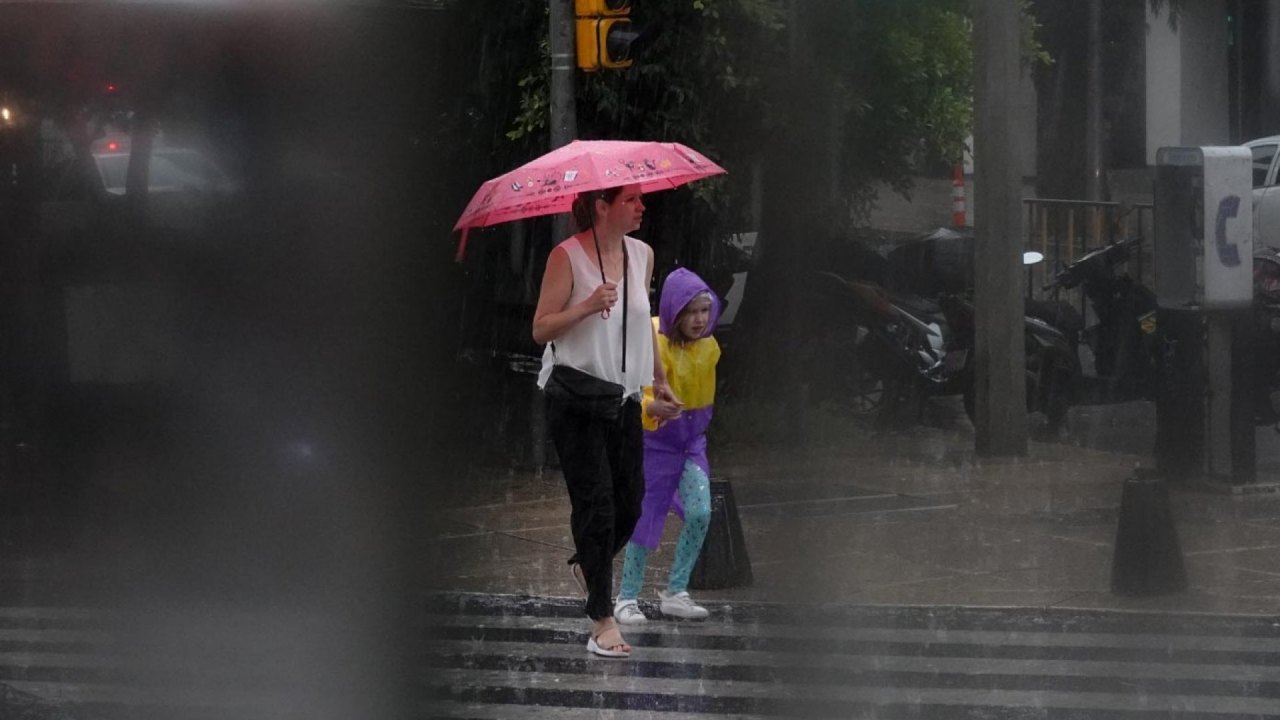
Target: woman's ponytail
{"points": [[583, 215]]}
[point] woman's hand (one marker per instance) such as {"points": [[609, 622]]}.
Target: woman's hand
{"points": [[602, 299], [662, 391]]}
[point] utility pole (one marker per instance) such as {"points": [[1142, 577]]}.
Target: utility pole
{"points": [[1000, 364]]}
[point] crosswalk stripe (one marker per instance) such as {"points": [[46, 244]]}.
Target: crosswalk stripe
{"points": [[871, 675], [883, 663], [739, 696], [55, 636], [477, 711], [873, 634], [180, 700], [900, 617], [52, 614], [708, 636]]}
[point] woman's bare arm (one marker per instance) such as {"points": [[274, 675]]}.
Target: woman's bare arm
{"points": [[553, 316]]}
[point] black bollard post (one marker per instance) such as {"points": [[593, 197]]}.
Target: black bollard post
{"points": [[723, 562], [1147, 558]]}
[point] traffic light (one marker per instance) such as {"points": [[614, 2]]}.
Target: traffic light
{"points": [[604, 33]]}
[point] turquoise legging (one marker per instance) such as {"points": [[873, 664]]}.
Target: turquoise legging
{"points": [[695, 496]]}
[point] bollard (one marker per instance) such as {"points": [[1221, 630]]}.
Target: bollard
{"points": [[1147, 558], [723, 562]]}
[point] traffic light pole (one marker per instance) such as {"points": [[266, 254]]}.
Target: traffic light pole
{"points": [[564, 119], [564, 115]]}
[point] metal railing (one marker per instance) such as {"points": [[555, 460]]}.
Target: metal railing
{"points": [[1065, 230]]}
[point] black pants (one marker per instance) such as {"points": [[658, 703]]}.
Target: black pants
{"points": [[603, 466]]}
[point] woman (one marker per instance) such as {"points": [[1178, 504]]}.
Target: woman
{"points": [[579, 318]]}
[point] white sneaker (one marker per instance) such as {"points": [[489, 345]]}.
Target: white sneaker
{"points": [[681, 605], [627, 612]]}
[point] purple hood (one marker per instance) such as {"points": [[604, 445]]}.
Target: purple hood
{"points": [[680, 287]]}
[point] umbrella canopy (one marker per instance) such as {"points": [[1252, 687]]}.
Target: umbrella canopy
{"points": [[547, 185]]}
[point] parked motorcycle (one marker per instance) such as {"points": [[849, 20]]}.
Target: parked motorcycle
{"points": [[892, 350], [885, 349], [1121, 361]]}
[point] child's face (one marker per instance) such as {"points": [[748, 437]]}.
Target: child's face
{"points": [[694, 318]]}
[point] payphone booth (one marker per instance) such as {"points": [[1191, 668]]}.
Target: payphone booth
{"points": [[1204, 292]]}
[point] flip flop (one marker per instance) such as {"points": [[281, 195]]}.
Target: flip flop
{"points": [[613, 651]]}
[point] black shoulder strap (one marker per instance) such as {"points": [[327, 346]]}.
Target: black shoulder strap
{"points": [[625, 271]]}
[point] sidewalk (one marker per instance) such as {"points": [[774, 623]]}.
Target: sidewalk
{"points": [[909, 518]]}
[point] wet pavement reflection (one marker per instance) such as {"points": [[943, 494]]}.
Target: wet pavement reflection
{"points": [[895, 575], [904, 517]]}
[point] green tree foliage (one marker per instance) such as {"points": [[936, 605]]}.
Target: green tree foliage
{"points": [[902, 72], [902, 76]]}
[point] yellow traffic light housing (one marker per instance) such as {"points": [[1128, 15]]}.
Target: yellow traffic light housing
{"points": [[601, 8], [604, 34], [604, 43]]}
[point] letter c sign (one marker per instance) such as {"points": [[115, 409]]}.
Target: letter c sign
{"points": [[1228, 253]]}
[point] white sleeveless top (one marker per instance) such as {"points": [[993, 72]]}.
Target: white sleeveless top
{"points": [[594, 344]]}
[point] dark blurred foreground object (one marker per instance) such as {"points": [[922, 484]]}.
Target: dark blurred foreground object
{"points": [[1148, 558], [724, 562]]}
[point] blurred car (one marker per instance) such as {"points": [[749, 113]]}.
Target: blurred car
{"points": [[184, 187], [173, 170], [1266, 190]]}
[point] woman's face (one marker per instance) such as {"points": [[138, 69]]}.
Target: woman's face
{"points": [[626, 211]]}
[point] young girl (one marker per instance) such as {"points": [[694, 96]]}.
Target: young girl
{"points": [[675, 450]]}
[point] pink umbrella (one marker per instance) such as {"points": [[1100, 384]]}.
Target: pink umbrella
{"points": [[547, 185]]}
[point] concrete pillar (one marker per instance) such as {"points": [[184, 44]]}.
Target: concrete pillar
{"points": [[1188, 99]]}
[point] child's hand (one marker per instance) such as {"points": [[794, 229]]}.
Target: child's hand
{"points": [[665, 410]]}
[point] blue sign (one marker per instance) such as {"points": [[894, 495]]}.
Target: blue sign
{"points": [[1228, 253]]}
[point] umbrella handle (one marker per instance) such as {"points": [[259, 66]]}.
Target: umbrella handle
{"points": [[604, 314]]}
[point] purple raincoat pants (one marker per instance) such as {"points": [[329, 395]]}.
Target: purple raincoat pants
{"points": [[665, 452]]}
